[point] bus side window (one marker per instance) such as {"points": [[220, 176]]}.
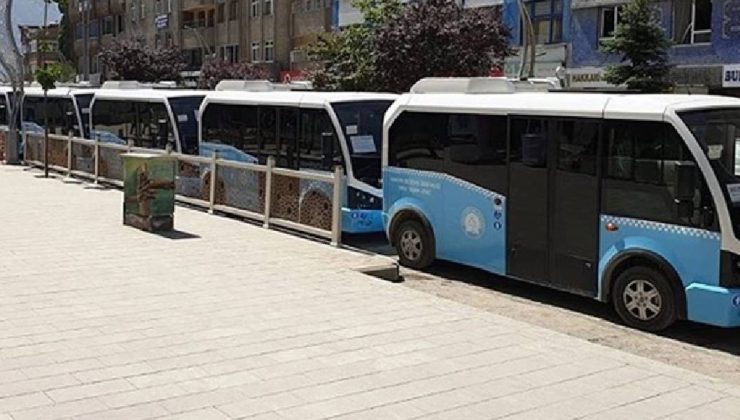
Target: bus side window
{"points": [[314, 124], [417, 141], [640, 161], [287, 156]]}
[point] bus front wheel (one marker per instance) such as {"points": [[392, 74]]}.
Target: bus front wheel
{"points": [[644, 299], [414, 244]]}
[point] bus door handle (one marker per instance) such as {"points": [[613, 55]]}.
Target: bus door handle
{"points": [[612, 227]]}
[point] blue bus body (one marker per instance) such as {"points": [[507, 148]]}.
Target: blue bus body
{"points": [[581, 212]]}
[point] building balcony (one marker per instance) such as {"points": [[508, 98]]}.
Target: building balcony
{"points": [[198, 38], [191, 5]]}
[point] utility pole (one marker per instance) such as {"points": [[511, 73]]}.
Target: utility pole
{"points": [[84, 9], [528, 42]]}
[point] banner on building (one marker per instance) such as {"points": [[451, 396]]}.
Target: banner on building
{"points": [[731, 76]]}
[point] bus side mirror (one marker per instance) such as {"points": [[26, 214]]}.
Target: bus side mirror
{"points": [[684, 188], [327, 150]]}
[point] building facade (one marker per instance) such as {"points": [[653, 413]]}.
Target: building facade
{"points": [[96, 23], [40, 46], [705, 33]]}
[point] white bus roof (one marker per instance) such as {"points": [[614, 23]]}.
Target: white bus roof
{"points": [[595, 105], [293, 98], [147, 95]]}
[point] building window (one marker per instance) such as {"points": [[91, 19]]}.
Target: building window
{"points": [[268, 7], [255, 9], [610, 18], [142, 10], [107, 25], [693, 21], [547, 20], [269, 51], [229, 53], [233, 10], [221, 13], [255, 52]]}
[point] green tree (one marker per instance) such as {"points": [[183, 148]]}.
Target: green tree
{"points": [[47, 77], [66, 33], [438, 38], [348, 56], [643, 46]]}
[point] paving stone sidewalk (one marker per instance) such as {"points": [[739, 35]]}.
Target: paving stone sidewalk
{"points": [[229, 320]]}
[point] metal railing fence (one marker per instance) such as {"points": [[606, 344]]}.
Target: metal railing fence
{"points": [[304, 201]]}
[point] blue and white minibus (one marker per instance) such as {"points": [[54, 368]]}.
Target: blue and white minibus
{"points": [[308, 131], [628, 199]]}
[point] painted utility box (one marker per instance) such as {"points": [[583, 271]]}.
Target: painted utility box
{"points": [[149, 191]]}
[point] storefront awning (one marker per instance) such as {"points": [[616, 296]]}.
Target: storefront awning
{"points": [[586, 4]]}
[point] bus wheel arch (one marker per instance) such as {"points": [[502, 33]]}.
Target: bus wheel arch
{"points": [[631, 260], [412, 225]]}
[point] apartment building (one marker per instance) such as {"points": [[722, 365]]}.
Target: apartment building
{"points": [[96, 23], [268, 33]]}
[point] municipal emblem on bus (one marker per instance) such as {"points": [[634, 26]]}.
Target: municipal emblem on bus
{"points": [[473, 223], [736, 300]]}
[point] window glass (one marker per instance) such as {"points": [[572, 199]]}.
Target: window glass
{"points": [[466, 146], [61, 114], [315, 123], [577, 146], [288, 138], [529, 142], [185, 111], [268, 132], [642, 161], [114, 121], [4, 110]]}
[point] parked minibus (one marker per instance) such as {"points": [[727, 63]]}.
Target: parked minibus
{"points": [[149, 118], [312, 131], [628, 199]]}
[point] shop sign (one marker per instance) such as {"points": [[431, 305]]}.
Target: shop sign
{"points": [[731, 76], [587, 77], [162, 21]]}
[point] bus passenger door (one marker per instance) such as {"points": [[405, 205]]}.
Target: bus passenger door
{"points": [[574, 208], [552, 209], [527, 203]]}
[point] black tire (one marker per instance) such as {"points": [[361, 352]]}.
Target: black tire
{"points": [[414, 244], [644, 299]]}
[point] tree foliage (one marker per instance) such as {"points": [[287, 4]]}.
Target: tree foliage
{"points": [[215, 71], [66, 33], [397, 45], [643, 45], [349, 56], [49, 75], [132, 59], [439, 38]]}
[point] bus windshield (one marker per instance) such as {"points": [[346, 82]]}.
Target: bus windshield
{"points": [[718, 133], [362, 125], [185, 110]]}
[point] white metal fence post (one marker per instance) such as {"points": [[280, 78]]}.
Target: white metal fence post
{"points": [[336, 213], [268, 191], [69, 154], [97, 159], [214, 178]]}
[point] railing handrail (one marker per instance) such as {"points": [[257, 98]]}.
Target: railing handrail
{"points": [[336, 178]]}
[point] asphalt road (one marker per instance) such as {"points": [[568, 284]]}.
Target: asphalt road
{"points": [[703, 349]]}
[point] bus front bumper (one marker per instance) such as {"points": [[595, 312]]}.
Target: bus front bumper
{"points": [[362, 221], [713, 305]]}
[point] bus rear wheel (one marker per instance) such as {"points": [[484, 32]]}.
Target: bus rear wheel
{"points": [[414, 244], [644, 299]]}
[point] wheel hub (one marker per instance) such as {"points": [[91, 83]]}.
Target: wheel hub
{"points": [[642, 299], [411, 245]]}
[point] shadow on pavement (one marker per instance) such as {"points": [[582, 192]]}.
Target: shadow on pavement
{"points": [[176, 235], [721, 339]]}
